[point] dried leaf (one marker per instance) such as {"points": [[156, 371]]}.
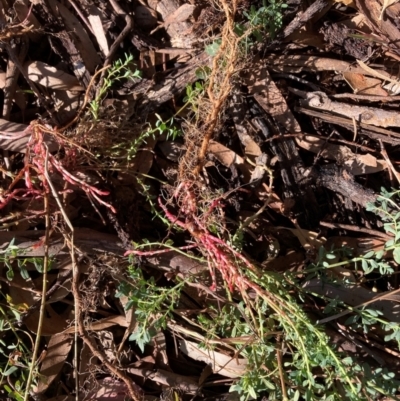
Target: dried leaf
{"points": [[179, 15], [224, 155], [345, 2], [308, 239], [15, 145], [81, 39], [364, 85], [95, 20], [228, 158], [109, 389], [355, 163], [51, 77], [57, 352], [385, 5], [221, 364], [375, 73]]}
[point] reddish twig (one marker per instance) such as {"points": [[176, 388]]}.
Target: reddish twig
{"points": [[35, 157]]}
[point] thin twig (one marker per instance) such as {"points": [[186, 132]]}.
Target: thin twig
{"points": [[229, 44], [128, 27], [79, 324], [44, 290], [356, 229], [280, 368], [74, 268], [389, 162]]}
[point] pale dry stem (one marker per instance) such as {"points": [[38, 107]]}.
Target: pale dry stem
{"points": [[223, 69]]}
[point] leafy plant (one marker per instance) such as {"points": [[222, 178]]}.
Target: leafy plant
{"points": [[15, 356], [121, 69], [13, 254], [266, 19], [152, 303], [273, 322]]}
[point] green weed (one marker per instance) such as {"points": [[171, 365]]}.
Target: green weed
{"points": [[263, 23], [152, 304], [274, 321], [120, 70]]}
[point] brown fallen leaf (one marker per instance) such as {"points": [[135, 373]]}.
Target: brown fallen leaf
{"points": [[357, 164], [58, 349], [385, 5], [224, 155], [228, 157], [51, 77], [180, 15], [95, 19], [345, 2], [364, 85], [109, 389], [80, 37], [221, 364]]}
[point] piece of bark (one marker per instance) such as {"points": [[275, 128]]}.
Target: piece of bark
{"points": [[298, 63], [178, 29], [63, 43], [386, 136], [387, 27], [339, 39], [174, 83], [341, 181], [361, 114], [271, 100], [318, 7]]}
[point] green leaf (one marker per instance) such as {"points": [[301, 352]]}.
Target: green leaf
{"points": [[396, 255], [252, 392], [10, 370], [212, 49], [369, 255]]}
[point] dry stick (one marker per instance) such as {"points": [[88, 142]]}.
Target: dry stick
{"points": [[33, 86], [371, 98], [280, 368], [212, 119], [79, 324], [128, 27], [58, 201], [44, 290], [82, 16], [12, 75], [89, 341], [389, 162], [304, 17], [357, 229]]}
